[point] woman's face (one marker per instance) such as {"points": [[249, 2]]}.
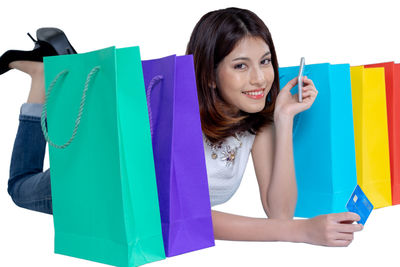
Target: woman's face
{"points": [[245, 76]]}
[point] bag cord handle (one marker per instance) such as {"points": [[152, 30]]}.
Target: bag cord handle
{"points": [[89, 78], [152, 84]]}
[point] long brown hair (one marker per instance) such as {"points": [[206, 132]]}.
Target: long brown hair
{"points": [[212, 39]]}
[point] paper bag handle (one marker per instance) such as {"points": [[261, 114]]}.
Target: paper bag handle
{"points": [[89, 78], [152, 84]]}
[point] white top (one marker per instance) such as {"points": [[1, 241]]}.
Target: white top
{"points": [[225, 172]]}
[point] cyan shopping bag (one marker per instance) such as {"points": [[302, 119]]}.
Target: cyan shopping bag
{"points": [[323, 141], [178, 154], [103, 183]]}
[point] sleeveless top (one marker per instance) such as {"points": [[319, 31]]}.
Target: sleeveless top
{"points": [[226, 164]]}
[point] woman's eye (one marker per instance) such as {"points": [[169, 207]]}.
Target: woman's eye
{"points": [[266, 61], [240, 66]]}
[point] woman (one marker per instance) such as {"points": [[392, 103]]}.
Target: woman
{"points": [[242, 112], [238, 87]]}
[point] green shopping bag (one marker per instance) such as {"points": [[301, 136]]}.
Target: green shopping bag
{"points": [[103, 183]]}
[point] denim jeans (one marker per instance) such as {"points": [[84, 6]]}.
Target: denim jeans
{"points": [[28, 186]]}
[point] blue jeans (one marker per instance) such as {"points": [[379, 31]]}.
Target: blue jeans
{"points": [[28, 186]]}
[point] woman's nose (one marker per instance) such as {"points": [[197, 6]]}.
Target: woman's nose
{"points": [[257, 77]]}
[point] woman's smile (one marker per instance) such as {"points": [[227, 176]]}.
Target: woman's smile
{"points": [[255, 94]]}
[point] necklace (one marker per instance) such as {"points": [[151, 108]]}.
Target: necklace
{"points": [[224, 151]]}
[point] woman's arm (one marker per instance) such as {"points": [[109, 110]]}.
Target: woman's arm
{"points": [[282, 193], [327, 230], [234, 227], [272, 155], [272, 152]]}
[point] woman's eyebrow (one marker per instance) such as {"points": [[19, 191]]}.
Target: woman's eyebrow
{"points": [[246, 58], [266, 54]]}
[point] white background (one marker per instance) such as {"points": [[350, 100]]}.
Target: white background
{"points": [[355, 32]]}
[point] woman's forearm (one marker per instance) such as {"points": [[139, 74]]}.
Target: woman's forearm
{"points": [[240, 228], [282, 193]]}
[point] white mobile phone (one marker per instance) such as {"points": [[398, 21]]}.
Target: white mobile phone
{"points": [[300, 79]]}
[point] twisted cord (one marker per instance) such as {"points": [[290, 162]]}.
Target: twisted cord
{"points": [[89, 78], [152, 84]]}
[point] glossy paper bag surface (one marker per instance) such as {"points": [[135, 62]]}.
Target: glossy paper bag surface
{"points": [[104, 189], [392, 83], [178, 154], [323, 141], [371, 134]]}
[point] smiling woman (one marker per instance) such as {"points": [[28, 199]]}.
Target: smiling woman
{"points": [[245, 76], [229, 47], [243, 111]]}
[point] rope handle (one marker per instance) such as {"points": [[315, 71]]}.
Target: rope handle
{"points": [[152, 84], [63, 73]]}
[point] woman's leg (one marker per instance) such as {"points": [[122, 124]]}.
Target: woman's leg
{"points": [[36, 71], [29, 186]]}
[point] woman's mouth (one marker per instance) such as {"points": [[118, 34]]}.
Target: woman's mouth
{"points": [[254, 94]]}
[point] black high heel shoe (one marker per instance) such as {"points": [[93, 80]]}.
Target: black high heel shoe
{"points": [[57, 39], [50, 42]]}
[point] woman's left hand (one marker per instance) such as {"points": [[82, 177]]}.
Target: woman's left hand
{"points": [[287, 105]]}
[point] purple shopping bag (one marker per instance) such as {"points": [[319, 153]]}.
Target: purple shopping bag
{"points": [[178, 154]]}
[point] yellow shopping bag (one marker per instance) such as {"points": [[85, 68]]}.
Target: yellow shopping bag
{"points": [[371, 134]]}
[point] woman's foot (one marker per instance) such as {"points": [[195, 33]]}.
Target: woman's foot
{"points": [[41, 50], [50, 42], [29, 67], [36, 71]]}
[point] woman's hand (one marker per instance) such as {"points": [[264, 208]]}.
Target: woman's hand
{"points": [[334, 230], [287, 105]]}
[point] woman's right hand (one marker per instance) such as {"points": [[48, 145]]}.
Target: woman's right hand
{"points": [[333, 230]]}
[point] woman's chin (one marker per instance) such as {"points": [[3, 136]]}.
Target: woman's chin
{"points": [[253, 108]]}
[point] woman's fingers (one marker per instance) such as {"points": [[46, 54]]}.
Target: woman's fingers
{"points": [[307, 81], [345, 236], [292, 83], [348, 228], [307, 93], [333, 229], [345, 216], [341, 243], [309, 89]]}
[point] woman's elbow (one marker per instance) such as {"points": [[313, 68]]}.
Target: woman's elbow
{"points": [[283, 213]]}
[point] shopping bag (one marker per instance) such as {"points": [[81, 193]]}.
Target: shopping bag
{"points": [[392, 83], [371, 134], [323, 141], [103, 183], [178, 154]]}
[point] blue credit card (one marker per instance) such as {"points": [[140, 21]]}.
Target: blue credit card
{"points": [[359, 203]]}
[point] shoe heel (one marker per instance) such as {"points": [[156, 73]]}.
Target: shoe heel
{"points": [[35, 41], [30, 36], [57, 39]]}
